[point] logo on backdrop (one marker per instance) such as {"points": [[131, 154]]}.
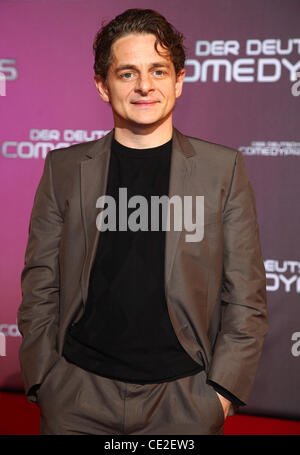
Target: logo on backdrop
{"points": [[271, 148], [8, 72], [7, 330], [2, 84], [253, 60], [10, 330], [282, 275], [8, 68], [42, 141], [2, 345]]}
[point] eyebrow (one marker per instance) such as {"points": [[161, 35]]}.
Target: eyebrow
{"points": [[134, 67]]}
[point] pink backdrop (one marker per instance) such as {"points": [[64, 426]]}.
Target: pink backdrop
{"points": [[246, 103]]}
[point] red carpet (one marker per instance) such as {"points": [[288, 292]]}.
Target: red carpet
{"points": [[19, 417]]}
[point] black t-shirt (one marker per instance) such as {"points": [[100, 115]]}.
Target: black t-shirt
{"points": [[125, 332]]}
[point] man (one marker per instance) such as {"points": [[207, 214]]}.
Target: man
{"points": [[140, 331]]}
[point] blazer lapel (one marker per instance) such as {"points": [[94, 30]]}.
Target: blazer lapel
{"points": [[93, 175], [179, 171]]}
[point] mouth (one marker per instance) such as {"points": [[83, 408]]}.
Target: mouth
{"points": [[145, 103]]}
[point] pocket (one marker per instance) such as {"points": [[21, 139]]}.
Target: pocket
{"points": [[209, 405], [215, 401], [219, 404]]}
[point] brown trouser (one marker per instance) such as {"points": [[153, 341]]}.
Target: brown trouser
{"points": [[75, 401]]}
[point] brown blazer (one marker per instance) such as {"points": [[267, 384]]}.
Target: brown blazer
{"points": [[215, 288]]}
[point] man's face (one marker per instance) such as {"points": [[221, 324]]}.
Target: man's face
{"points": [[141, 85]]}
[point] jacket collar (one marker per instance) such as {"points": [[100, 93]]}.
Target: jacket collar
{"points": [[181, 144]]}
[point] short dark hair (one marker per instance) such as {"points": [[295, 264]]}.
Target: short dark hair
{"points": [[137, 21]]}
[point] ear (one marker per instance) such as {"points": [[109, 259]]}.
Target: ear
{"points": [[179, 82], [102, 88]]}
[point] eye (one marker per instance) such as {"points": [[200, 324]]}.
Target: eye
{"points": [[160, 71], [124, 75]]}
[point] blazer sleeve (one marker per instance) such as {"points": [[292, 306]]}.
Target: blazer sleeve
{"points": [[39, 310], [244, 323]]}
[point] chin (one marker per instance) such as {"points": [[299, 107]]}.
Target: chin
{"points": [[146, 121], [149, 123]]}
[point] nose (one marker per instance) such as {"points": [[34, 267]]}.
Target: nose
{"points": [[144, 83]]}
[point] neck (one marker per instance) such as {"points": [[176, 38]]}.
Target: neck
{"points": [[143, 136]]}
